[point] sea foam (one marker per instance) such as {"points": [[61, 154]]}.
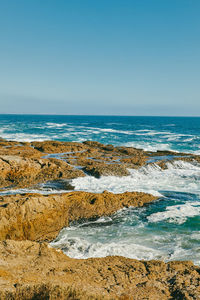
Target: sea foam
{"points": [[177, 213], [179, 176]]}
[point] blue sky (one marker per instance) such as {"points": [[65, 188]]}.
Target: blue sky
{"points": [[100, 57]]}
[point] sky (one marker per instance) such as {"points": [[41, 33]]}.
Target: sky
{"points": [[107, 57]]}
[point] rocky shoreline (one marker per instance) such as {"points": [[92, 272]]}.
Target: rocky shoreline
{"points": [[39, 217], [31, 269]]}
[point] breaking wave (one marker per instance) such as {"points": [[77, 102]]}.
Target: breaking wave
{"points": [[179, 176]]}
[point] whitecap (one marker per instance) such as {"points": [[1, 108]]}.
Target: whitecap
{"points": [[151, 132], [45, 191], [85, 241], [177, 213], [24, 137], [80, 247], [55, 125], [179, 176], [150, 146]]}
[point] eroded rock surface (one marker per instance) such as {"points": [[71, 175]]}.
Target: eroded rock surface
{"points": [[41, 217], [98, 169], [23, 149], [26, 164], [23, 172], [58, 147], [31, 270]]}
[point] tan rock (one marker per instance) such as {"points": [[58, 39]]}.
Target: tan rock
{"points": [[58, 147], [98, 169], [30, 270], [100, 159], [19, 149], [25, 164], [23, 172], [39, 217]]}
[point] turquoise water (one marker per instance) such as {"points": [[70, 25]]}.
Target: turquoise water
{"points": [[168, 229], [136, 233]]}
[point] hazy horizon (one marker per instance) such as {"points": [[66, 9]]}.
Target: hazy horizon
{"points": [[99, 115]]}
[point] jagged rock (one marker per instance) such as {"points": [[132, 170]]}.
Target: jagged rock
{"points": [[93, 144], [23, 172], [58, 147], [19, 149], [41, 217], [31, 270], [97, 169]]}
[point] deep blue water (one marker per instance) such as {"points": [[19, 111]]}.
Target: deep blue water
{"points": [[168, 229], [151, 133]]}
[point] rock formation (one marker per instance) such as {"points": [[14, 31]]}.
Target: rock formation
{"points": [[25, 164], [23, 172], [39, 217], [31, 269]]}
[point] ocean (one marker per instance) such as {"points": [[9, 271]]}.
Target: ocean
{"points": [[169, 228]]}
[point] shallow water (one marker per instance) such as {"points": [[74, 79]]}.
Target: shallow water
{"points": [[140, 233], [168, 229]]}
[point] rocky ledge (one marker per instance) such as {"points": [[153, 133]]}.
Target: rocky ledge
{"points": [[26, 164], [31, 270], [39, 217]]}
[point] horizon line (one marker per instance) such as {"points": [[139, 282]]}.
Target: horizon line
{"points": [[98, 115]]}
